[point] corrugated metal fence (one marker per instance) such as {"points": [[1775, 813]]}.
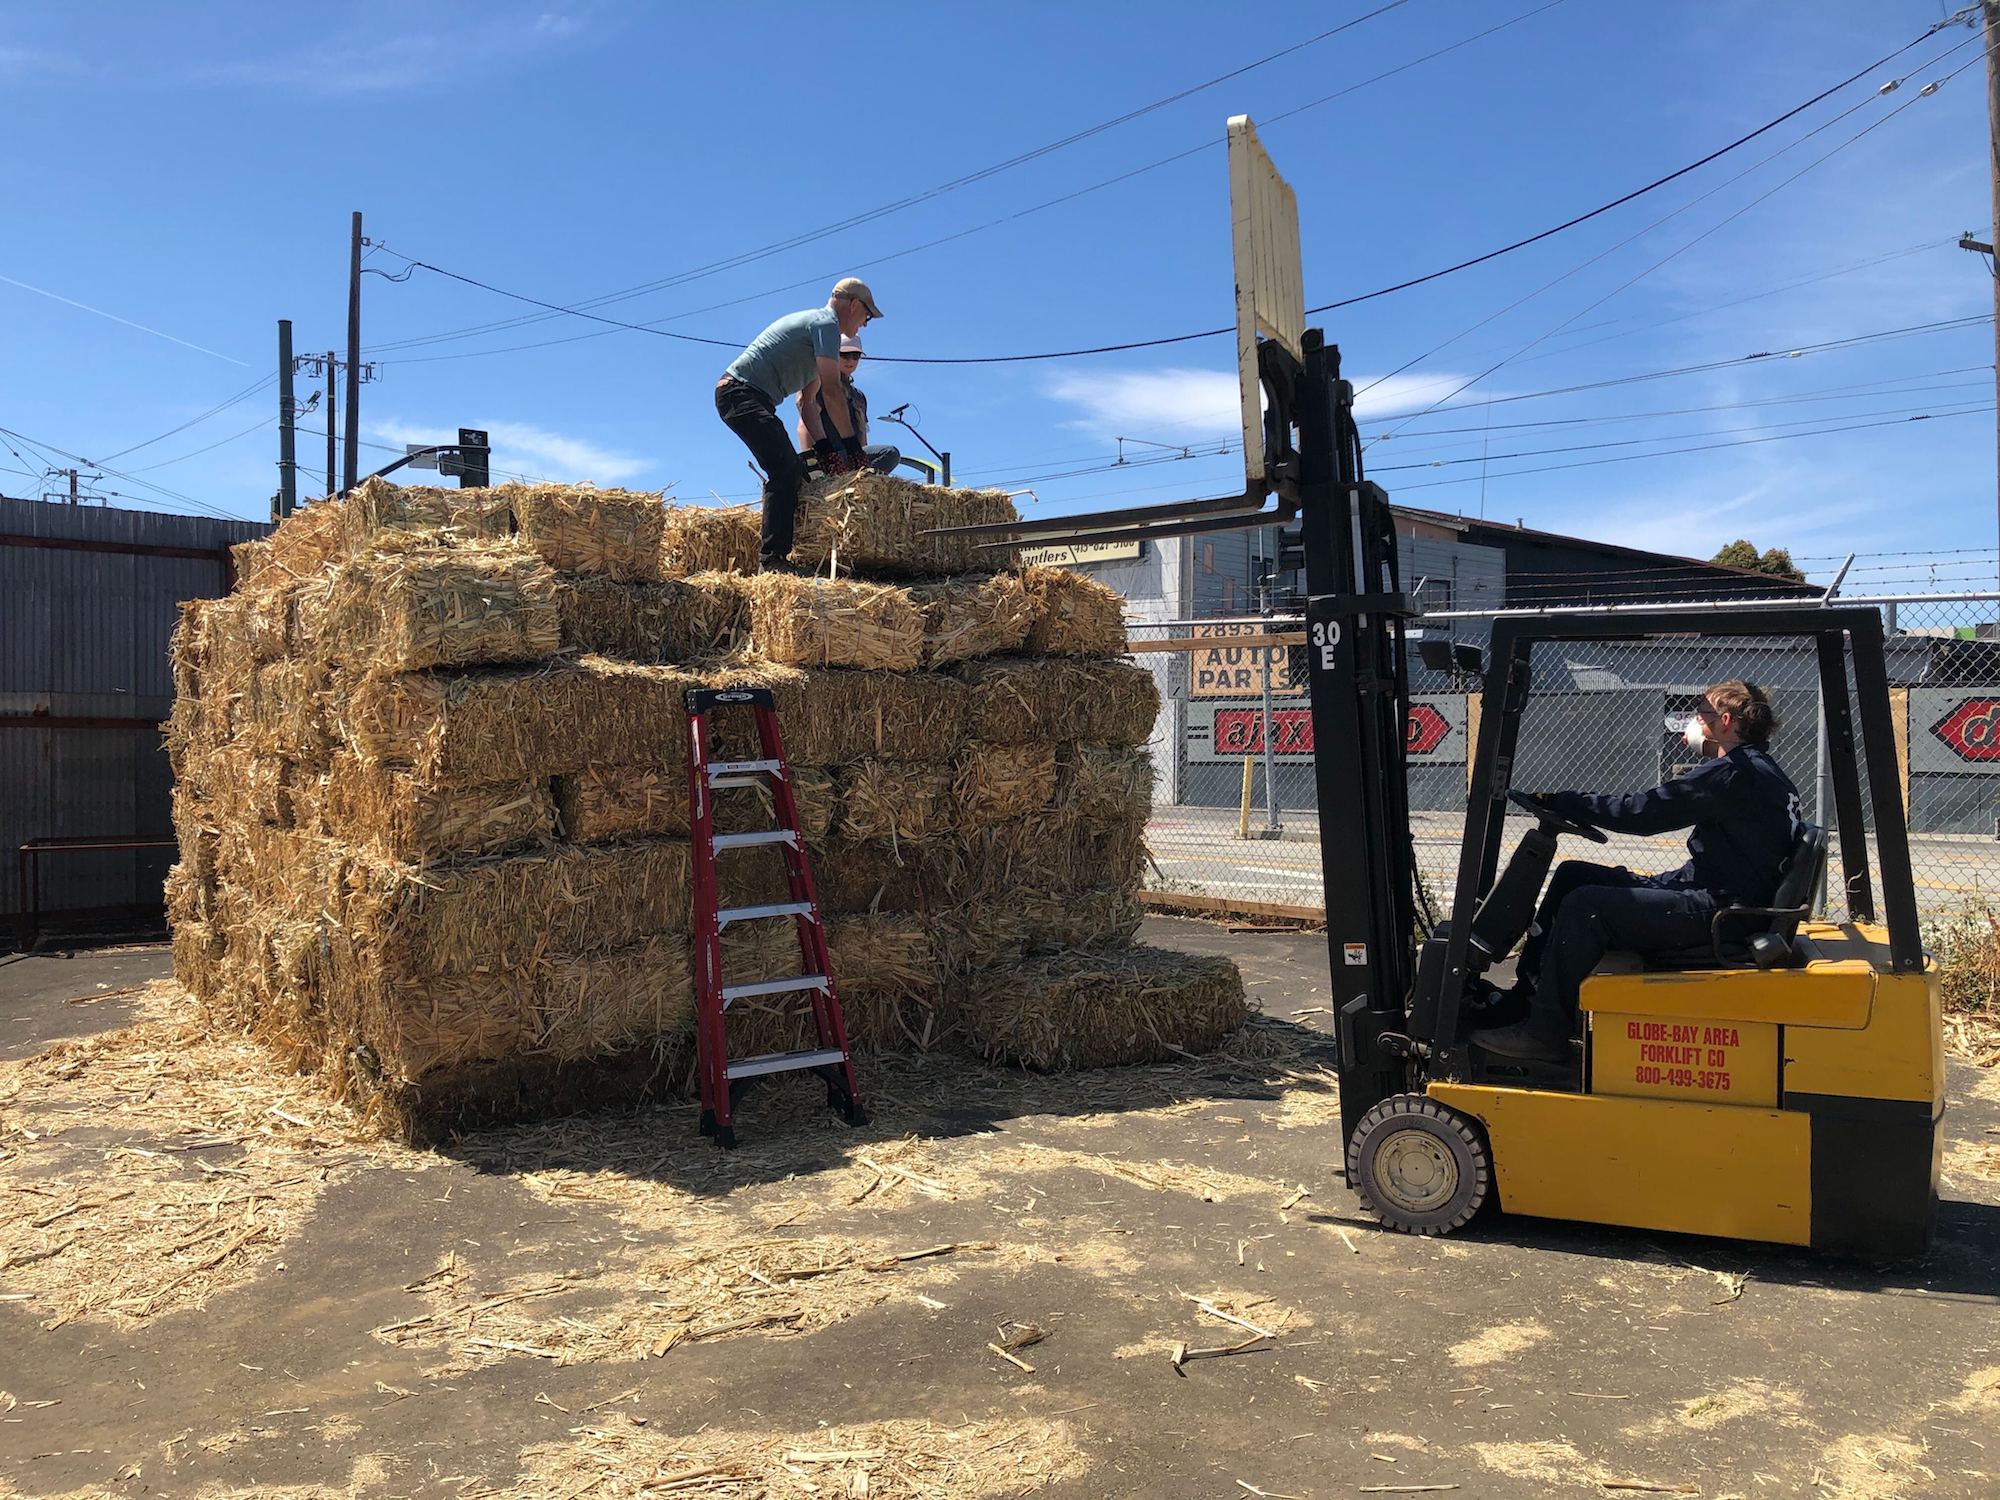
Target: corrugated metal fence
{"points": [[88, 599]]}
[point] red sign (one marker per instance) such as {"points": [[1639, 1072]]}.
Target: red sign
{"points": [[1425, 729], [1240, 731], [1972, 729]]}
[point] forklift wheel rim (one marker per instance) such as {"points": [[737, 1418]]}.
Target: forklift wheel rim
{"points": [[1415, 1170]]}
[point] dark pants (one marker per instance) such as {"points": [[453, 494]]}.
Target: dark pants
{"points": [[1590, 909], [752, 416]]}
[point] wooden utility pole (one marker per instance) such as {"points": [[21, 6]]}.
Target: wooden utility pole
{"points": [[350, 452]]}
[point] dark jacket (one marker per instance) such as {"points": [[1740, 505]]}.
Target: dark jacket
{"points": [[1744, 812]]}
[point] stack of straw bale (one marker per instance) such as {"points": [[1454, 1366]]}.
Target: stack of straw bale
{"points": [[431, 762]]}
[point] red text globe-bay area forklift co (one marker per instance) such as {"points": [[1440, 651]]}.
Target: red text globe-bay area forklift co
{"points": [[1783, 1083]]}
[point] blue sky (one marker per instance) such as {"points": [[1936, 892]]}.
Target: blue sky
{"points": [[191, 170]]}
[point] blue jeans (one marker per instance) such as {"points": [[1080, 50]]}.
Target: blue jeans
{"points": [[1589, 910]]}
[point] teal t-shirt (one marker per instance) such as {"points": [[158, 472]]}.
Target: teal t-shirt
{"points": [[783, 359]]}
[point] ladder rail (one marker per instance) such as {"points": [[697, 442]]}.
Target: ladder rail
{"points": [[832, 1058]]}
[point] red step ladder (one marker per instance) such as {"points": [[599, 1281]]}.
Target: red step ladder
{"points": [[831, 1059]]}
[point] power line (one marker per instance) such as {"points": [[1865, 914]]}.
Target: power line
{"points": [[1627, 458], [1622, 199], [258, 426], [923, 196], [120, 474], [243, 395], [1914, 414], [1686, 245], [1797, 352]]}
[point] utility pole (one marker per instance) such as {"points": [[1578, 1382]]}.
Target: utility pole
{"points": [[72, 486], [351, 454], [288, 410], [1991, 18], [331, 463]]}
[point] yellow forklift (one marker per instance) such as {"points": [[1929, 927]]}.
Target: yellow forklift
{"points": [[1783, 1083]]}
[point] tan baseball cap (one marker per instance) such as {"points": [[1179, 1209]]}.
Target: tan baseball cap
{"points": [[850, 286]]}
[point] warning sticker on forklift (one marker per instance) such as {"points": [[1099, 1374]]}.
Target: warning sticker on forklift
{"points": [[1726, 1062], [1354, 953]]}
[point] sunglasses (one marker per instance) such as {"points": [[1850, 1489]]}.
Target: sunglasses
{"points": [[850, 356]]}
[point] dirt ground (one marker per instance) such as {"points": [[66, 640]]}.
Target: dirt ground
{"points": [[210, 1285]]}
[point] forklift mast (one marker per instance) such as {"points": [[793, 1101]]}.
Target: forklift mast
{"points": [[1355, 616]]}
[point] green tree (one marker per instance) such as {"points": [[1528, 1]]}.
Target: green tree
{"points": [[1776, 561]]}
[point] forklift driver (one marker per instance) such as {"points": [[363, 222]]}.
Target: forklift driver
{"points": [[1744, 812]]}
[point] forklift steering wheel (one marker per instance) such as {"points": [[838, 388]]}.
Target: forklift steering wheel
{"points": [[1555, 821]]}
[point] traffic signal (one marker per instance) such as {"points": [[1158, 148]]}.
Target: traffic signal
{"points": [[470, 462]]}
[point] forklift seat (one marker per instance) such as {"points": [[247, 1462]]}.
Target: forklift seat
{"points": [[1760, 936]]}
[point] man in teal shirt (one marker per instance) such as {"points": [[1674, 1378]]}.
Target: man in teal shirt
{"points": [[779, 363]]}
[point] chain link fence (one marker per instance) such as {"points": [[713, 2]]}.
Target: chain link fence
{"points": [[1236, 827]]}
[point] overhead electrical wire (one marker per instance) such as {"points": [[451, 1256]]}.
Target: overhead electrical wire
{"points": [[1700, 448], [925, 195], [1466, 264], [1697, 239]]}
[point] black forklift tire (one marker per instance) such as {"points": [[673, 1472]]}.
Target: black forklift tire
{"points": [[1419, 1166]]}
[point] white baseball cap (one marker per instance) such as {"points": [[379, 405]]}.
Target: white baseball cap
{"points": [[849, 344]]}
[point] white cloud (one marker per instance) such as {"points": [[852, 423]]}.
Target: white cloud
{"points": [[26, 64], [361, 60], [1200, 405], [521, 449]]}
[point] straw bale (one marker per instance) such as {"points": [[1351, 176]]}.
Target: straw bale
{"points": [[187, 648], [406, 607], [829, 622], [503, 913], [592, 1004], [983, 934], [296, 550], [884, 968], [894, 800], [848, 875], [1104, 784], [402, 819], [499, 724], [1051, 851], [709, 539], [285, 704], [438, 1024], [891, 988], [1017, 700], [832, 715], [1075, 615], [874, 524], [582, 530], [198, 949], [1108, 1009], [972, 616], [996, 783], [376, 508], [651, 622], [600, 803], [200, 839]]}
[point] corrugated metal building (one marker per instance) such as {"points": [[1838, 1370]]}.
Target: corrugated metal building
{"points": [[88, 599]]}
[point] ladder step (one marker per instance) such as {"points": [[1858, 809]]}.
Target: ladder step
{"points": [[753, 840], [773, 987], [730, 914], [785, 1062], [742, 767]]}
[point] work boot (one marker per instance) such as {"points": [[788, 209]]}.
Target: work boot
{"points": [[1543, 1037]]}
